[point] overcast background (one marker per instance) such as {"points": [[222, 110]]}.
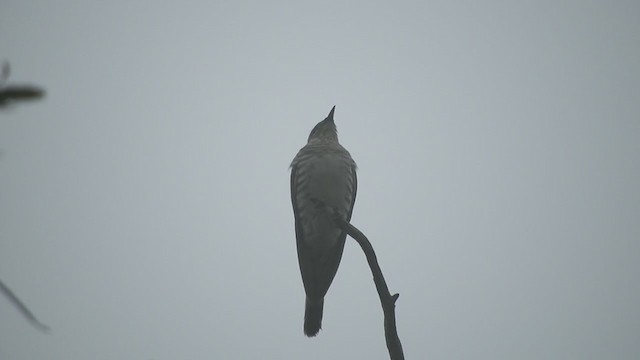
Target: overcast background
{"points": [[145, 209]]}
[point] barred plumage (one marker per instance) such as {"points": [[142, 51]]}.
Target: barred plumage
{"points": [[323, 185]]}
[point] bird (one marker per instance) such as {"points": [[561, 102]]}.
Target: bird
{"points": [[323, 186]]}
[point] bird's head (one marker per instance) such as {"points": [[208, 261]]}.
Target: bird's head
{"points": [[325, 130]]}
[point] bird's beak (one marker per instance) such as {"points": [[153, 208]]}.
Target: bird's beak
{"points": [[330, 116]]}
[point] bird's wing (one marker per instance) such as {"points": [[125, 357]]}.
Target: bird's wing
{"points": [[318, 269], [294, 190], [355, 191]]}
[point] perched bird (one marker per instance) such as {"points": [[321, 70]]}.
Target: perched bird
{"points": [[323, 186]]}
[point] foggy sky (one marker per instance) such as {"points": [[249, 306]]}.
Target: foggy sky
{"points": [[145, 209]]}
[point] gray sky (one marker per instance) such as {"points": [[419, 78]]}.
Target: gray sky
{"points": [[145, 209]]}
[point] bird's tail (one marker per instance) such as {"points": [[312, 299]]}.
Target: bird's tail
{"points": [[313, 316]]}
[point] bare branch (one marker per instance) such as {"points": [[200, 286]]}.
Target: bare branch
{"points": [[4, 73], [13, 93], [386, 299], [22, 308]]}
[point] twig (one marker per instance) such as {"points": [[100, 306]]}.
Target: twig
{"points": [[22, 308], [12, 93], [387, 300], [9, 94], [4, 73]]}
